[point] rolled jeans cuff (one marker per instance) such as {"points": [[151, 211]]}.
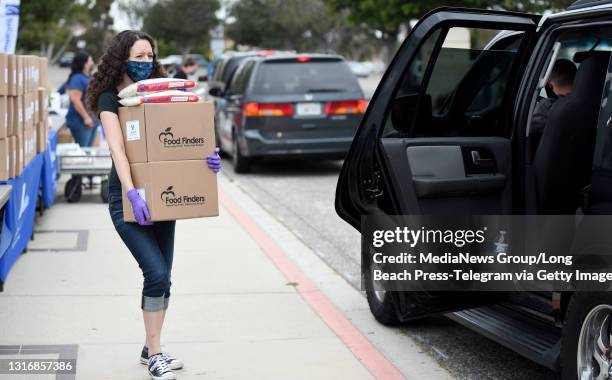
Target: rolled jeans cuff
{"points": [[153, 303]]}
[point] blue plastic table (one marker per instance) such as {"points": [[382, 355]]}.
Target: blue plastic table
{"points": [[19, 214]]}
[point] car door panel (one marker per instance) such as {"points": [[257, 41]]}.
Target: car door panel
{"points": [[441, 171]]}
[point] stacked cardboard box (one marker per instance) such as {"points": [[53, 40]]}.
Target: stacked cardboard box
{"points": [[23, 111], [167, 145]]}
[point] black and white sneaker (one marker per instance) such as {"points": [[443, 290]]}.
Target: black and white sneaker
{"points": [[172, 362], [158, 368]]}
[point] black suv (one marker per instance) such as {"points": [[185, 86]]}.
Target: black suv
{"points": [[289, 105], [449, 131]]}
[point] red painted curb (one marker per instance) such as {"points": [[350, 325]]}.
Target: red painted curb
{"points": [[378, 365]]}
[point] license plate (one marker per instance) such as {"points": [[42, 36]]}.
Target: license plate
{"points": [[308, 109]]}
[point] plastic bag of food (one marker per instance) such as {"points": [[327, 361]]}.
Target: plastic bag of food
{"points": [[155, 85], [173, 96]]}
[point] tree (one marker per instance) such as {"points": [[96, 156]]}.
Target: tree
{"points": [[49, 27], [98, 27], [45, 25], [182, 23], [280, 24], [135, 10], [387, 16], [303, 25]]}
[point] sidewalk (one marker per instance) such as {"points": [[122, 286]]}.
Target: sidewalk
{"points": [[248, 301]]}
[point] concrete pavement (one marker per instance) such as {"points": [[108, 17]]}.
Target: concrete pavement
{"points": [[249, 301]]}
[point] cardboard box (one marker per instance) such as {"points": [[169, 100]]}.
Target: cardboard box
{"points": [[5, 160], [64, 136], [9, 115], [28, 111], [12, 74], [174, 190], [34, 73], [31, 109], [43, 103], [29, 83], [42, 66], [4, 127], [31, 150], [32, 76], [21, 74], [17, 116], [35, 107], [42, 135], [27, 146], [24, 148], [12, 156], [26, 73], [19, 159], [168, 132], [4, 74]]}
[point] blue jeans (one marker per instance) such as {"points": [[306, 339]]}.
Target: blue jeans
{"points": [[83, 135], [153, 249]]}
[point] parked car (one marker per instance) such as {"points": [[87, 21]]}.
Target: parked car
{"points": [[288, 105], [225, 67], [439, 100], [66, 59]]}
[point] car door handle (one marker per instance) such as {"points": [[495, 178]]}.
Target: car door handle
{"points": [[452, 187], [478, 160]]}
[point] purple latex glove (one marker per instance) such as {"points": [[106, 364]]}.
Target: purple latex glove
{"points": [[141, 212], [214, 161]]}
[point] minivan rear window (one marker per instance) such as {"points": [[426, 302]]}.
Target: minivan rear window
{"points": [[285, 78]]}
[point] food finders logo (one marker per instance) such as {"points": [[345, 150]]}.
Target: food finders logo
{"points": [[169, 141], [170, 198]]}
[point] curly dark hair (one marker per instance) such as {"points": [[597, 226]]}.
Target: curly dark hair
{"points": [[113, 65]]}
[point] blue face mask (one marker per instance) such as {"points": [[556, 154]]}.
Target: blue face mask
{"points": [[139, 70]]}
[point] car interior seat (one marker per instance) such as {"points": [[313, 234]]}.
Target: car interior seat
{"points": [[563, 160]]}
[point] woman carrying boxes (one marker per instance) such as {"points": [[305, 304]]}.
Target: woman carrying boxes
{"points": [[131, 58]]}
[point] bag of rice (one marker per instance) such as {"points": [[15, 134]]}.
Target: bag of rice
{"points": [[173, 96], [155, 85]]}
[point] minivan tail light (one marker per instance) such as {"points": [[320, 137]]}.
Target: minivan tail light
{"points": [[346, 107], [268, 109]]}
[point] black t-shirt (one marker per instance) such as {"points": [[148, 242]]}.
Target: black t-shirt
{"points": [[109, 101], [180, 74]]}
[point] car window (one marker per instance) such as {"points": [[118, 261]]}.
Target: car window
{"points": [[240, 80], [230, 68], [602, 160], [219, 70], [302, 77], [458, 89]]}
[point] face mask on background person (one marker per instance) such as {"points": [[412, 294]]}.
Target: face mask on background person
{"points": [[139, 70]]}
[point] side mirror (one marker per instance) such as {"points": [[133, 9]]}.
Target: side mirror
{"points": [[215, 92], [203, 78]]}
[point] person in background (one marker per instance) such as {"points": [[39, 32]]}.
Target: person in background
{"points": [[188, 68], [80, 122], [170, 70], [561, 83], [129, 58]]}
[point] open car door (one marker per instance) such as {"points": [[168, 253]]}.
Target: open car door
{"points": [[436, 138]]}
